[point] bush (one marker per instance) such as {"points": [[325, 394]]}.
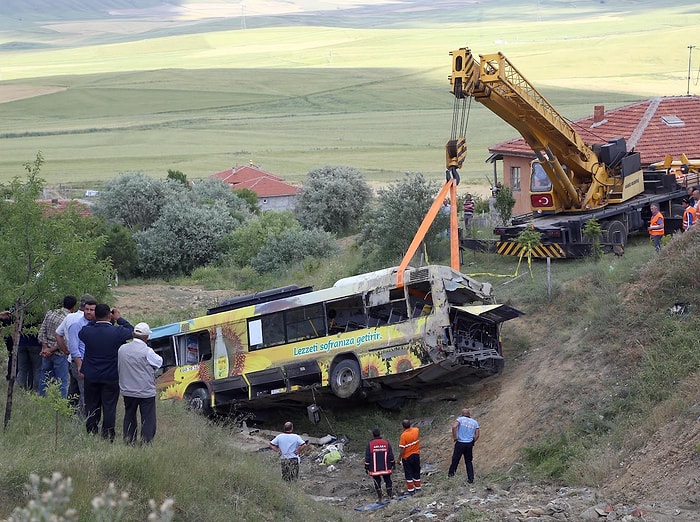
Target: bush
{"points": [[293, 245], [244, 243], [333, 199], [390, 227], [185, 237]]}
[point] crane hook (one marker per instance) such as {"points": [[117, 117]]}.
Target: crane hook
{"points": [[452, 173]]}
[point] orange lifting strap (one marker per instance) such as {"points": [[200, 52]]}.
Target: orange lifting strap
{"points": [[451, 186]]}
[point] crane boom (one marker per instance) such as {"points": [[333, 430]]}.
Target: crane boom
{"points": [[582, 177]]}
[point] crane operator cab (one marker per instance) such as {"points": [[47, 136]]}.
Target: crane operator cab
{"points": [[539, 181]]}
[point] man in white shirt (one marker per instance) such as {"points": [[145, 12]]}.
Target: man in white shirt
{"points": [[67, 343], [137, 384], [289, 445]]}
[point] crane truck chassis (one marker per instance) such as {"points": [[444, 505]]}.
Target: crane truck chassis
{"points": [[572, 181], [562, 235]]}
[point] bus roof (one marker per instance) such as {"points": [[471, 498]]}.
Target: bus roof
{"points": [[259, 297]]}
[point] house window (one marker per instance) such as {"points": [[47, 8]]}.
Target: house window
{"points": [[515, 178]]}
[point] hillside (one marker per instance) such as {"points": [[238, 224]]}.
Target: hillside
{"points": [[601, 380]]}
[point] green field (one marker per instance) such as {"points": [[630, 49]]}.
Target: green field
{"points": [[293, 98]]}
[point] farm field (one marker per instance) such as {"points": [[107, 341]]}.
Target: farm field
{"points": [[290, 92]]}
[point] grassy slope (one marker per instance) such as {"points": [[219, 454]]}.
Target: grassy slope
{"points": [[587, 395], [294, 98]]}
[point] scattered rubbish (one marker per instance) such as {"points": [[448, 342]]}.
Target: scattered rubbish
{"points": [[680, 309], [327, 439], [333, 456]]}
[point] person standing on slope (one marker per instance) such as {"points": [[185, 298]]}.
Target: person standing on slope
{"points": [[465, 433]]}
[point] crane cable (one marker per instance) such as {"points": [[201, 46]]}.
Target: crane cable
{"points": [[460, 117]]}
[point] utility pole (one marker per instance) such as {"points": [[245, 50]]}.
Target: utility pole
{"points": [[690, 55]]}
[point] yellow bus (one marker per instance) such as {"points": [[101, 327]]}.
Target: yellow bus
{"points": [[364, 337]]}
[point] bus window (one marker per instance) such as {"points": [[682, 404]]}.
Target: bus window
{"points": [[266, 331], [204, 340], [163, 347], [347, 314], [193, 348], [305, 323], [388, 307], [420, 299]]}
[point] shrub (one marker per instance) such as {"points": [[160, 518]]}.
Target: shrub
{"points": [[293, 245], [333, 199]]}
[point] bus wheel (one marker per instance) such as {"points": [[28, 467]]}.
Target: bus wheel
{"points": [[345, 378], [199, 401]]}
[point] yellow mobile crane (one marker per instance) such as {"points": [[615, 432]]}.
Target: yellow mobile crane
{"points": [[572, 181]]}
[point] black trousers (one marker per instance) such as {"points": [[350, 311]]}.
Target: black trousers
{"points": [[462, 449], [387, 481], [147, 407], [411, 468], [101, 398]]}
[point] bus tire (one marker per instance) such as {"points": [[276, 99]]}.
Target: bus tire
{"points": [[199, 401], [345, 378]]}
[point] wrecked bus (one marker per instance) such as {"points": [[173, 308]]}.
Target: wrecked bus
{"points": [[365, 337]]}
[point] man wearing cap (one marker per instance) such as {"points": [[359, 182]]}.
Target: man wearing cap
{"points": [[137, 363], [99, 366]]}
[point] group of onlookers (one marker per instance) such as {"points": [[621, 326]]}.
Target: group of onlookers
{"points": [[93, 354]]}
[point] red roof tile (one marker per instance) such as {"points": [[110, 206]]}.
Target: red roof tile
{"points": [[243, 173], [266, 187], [264, 184], [644, 125]]}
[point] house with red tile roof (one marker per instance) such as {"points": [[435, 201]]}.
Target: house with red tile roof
{"points": [[273, 193], [654, 128]]}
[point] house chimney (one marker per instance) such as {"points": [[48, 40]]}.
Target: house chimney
{"points": [[598, 113]]}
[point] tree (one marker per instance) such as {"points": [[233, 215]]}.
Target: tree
{"points": [[211, 191], [43, 257], [592, 230], [185, 237], [389, 228], [250, 197], [135, 200], [176, 228], [119, 246], [334, 199], [293, 245], [178, 176], [504, 204], [244, 243]]}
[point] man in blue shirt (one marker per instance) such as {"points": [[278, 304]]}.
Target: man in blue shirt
{"points": [[465, 433]]}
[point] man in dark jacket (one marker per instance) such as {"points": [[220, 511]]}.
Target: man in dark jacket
{"points": [[379, 462], [99, 367]]}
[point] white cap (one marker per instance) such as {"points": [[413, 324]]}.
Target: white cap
{"points": [[142, 329]]}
